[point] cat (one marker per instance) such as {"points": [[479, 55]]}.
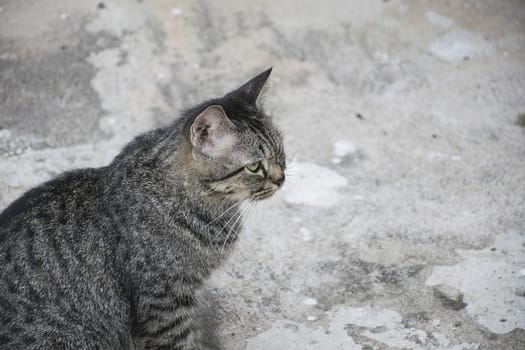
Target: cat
{"points": [[112, 257]]}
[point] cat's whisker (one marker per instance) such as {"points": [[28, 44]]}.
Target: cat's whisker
{"points": [[233, 217], [230, 230], [255, 204], [224, 212], [234, 226]]}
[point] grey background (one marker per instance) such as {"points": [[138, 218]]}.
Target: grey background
{"points": [[402, 225]]}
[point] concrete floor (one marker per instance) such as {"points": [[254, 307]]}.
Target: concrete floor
{"points": [[402, 225]]}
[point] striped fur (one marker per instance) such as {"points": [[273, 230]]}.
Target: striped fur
{"points": [[112, 258]]}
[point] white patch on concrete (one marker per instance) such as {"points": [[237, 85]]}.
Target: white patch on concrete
{"points": [[490, 281], [343, 148], [441, 339], [296, 219], [5, 134], [8, 56], [438, 21], [385, 326], [312, 184], [368, 317], [442, 156], [288, 335], [306, 234], [119, 81], [176, 11], [117, 19], [458, 44], [336, 160], [382, 325], [310, 301]]}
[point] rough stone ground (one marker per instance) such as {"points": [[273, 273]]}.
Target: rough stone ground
{"points": [[402, 225]]}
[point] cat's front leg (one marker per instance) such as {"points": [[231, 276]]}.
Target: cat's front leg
{"points": [[169, 329]]}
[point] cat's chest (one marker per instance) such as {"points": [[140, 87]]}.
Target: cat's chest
{"points": [[178, 259], [178, 250]]}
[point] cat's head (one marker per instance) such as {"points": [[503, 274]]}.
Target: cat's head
{"points": [[236, 151]]}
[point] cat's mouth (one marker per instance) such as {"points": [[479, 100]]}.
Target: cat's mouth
{"points": [[263, 194]]}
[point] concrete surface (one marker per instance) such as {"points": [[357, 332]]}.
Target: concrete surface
{"points": [[402, 225]]}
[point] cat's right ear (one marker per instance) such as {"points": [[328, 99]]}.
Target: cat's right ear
{"points": [[212, 133], [254, 90]]}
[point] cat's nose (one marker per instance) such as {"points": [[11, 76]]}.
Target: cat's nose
{"points": [[279, 181]]}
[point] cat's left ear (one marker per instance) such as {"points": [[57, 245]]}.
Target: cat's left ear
{"points": [[255, 89], [212, 133]]}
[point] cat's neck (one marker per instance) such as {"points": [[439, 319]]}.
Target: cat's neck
{"points": [[154, 172]]}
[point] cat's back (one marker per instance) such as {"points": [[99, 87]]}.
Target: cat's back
{"points": [[73, 187], [51, 252]]}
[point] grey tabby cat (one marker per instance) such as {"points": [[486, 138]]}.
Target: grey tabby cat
{"points": [[111, 258]]}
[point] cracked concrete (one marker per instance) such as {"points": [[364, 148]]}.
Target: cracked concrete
{"points": [[403, 130]]}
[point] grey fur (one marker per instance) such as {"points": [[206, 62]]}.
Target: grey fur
{"points": [[111, 258]]}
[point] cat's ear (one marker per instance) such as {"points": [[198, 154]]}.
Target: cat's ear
{"points": [[255, 89], [212, 133]]}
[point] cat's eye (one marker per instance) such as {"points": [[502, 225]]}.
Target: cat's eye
{"points": [[253, 167]]}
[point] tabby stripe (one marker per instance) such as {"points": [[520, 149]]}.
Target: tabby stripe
{"points": [[71, 241], [267, 137], [155, 294], [166, 347], [69, 310], [186, 279], [180, 299], [198, 234], [261, 148], [11, 287], [59, 259], [177, 322], [185, 301], [204, 221], [6, 305], [8, 255], [4, 339], [33, 295], [28, 340], [184, 224], [261, 134], [117, 243], [238, 171], [160, 316], [179, 338], [206, 233], [176, 342], [30, 250], [16, 269], [22, 268]]}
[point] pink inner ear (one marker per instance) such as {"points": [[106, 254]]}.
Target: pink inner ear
{"points": [[212, 132], [199, 132]]}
